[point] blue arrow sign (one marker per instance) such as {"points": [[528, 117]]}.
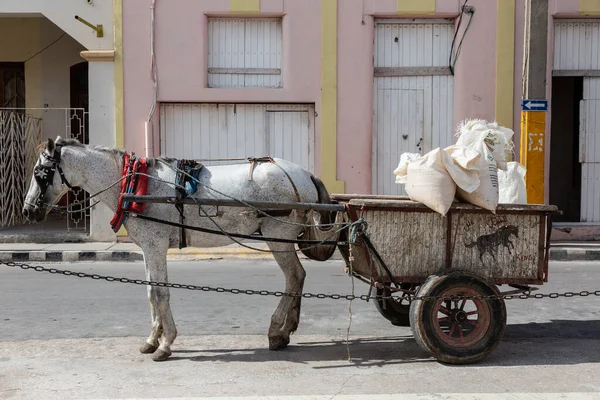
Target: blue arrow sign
{"points": [[534, 105]]}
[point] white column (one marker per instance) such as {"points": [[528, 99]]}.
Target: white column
{"points": [[102, 127]]}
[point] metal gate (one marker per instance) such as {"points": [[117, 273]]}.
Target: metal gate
{"points": [[20, 135]]}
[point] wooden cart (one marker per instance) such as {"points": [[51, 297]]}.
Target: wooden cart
{"points": [[409, 250]]}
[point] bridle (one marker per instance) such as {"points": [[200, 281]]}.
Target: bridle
{"points": [[44, 175]]}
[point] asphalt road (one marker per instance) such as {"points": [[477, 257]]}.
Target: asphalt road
{"points": [[67, 337]]}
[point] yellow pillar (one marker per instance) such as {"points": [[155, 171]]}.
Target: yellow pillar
{"points": [[118, 39], [328, 113], [119, 118], [533, 143], [505, 63]]}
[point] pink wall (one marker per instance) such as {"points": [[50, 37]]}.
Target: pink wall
{"points": [[355, 97], [475, 70], [181, 32], [181, 46]]}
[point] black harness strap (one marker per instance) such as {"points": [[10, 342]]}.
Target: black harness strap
{"points": [[236, 235], [186, 186], [44, 175]]}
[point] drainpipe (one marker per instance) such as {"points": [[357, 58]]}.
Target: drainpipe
{"points": [[148, 131]]}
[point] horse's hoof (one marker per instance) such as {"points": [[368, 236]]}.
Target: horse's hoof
{"points": [[160, 355], [278, 343], [148, 348]]}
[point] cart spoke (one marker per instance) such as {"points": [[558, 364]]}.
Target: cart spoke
{"points": [[462, 305], [452, 329], [473, 312], [445, 311], [444, 319], [460, 331], [472, 323]]}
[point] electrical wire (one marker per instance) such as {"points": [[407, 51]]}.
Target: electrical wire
{"points": [[451, 63], [45, 48]]}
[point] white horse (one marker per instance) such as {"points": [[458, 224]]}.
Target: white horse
{"points": [[95, 168]]}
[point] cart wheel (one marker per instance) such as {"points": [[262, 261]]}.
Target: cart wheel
{"points": [[458, 331], [395, 310]]}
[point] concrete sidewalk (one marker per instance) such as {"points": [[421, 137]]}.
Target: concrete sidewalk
{"points": [[122, 251]]}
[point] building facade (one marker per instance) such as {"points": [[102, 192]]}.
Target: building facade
{"points": [[342, 88]]}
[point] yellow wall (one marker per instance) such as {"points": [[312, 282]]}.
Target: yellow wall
{"points": [[589, 7], [328, 113], [20, 39], [244, 6], [505, 59], [416, 6]]}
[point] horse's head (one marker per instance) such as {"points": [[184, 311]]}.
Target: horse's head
{"points": [[46, 187], [512, 230]]}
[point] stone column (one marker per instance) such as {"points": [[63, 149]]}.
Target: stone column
{"points": [[102, 126]]}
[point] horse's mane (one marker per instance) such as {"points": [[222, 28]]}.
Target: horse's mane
{"points": [[117, 153]]}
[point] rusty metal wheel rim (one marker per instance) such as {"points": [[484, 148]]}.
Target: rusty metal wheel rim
{"points": [[464, 322]]}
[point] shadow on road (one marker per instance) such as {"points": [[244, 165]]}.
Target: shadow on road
{"points": [[363, 352], [560, 342]]}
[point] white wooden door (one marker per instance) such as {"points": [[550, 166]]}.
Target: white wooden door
{"points": [[289, 136], [589, 150], [208, 132], [413, 95]]}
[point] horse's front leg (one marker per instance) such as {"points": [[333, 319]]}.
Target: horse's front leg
{"points": [[286, 317], [164, 331], [151, 344]]}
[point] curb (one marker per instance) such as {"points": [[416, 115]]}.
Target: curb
{"points": [[556, 254], [574, 254]]}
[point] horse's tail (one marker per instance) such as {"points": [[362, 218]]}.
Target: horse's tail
{"points": [[315, 232]]}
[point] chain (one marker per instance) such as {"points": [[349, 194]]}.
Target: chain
{"points": [[364, 297]]}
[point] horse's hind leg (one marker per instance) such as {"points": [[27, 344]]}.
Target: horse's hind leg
{"points": [[286, 317]]}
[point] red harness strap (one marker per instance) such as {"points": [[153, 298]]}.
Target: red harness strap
{"points": [[134, 183]]}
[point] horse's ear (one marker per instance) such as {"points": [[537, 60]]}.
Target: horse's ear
{"points": [[50, 146]]}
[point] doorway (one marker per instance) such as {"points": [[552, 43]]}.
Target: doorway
{"points": [[78, 122], [565, 168]]}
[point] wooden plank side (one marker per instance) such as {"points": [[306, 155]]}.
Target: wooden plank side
{"points": [[409, 243], [504, 247]]}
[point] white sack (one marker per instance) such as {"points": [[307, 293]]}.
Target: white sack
{"points": [[464, 169], [512, 184], [428, 181], [401, 170], [498, 138], [487, 194]]}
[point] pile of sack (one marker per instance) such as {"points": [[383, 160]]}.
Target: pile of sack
{"points": [[474, 170]]}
